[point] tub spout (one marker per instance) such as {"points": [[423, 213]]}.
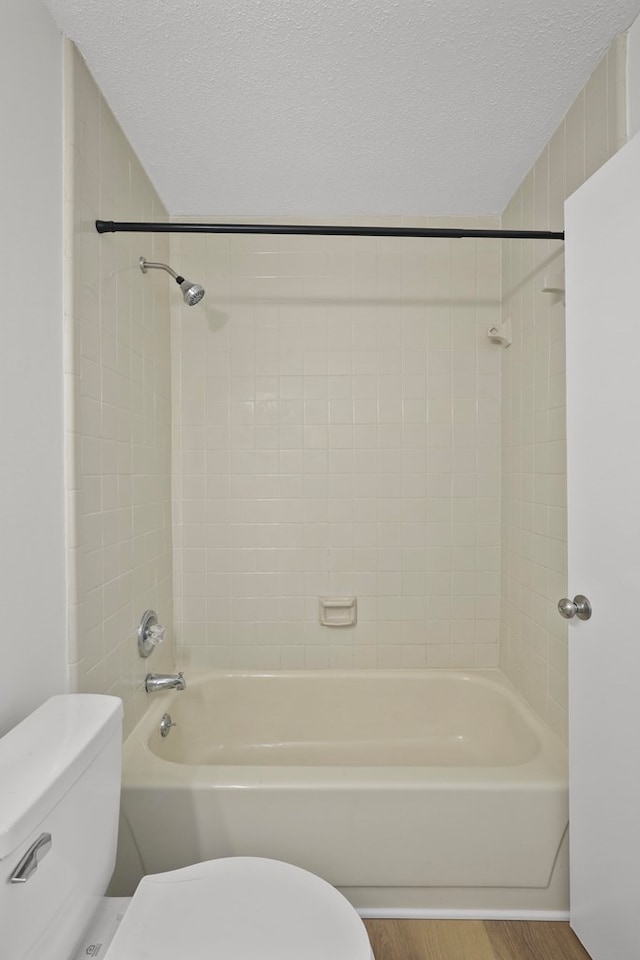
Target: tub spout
{"points": [[164, 681]]}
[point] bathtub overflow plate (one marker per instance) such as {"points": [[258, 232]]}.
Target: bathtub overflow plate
{"points": [[165, 725]]}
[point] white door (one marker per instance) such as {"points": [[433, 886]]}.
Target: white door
{"points": [[602, 254]]}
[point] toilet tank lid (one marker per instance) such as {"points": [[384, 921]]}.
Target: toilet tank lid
{"points": [[43, 756]]}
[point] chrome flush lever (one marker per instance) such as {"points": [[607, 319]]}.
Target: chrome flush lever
{"points": [[29, 863], [578, 607]]}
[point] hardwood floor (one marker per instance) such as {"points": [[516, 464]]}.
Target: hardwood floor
{"points": [[473, 940]]}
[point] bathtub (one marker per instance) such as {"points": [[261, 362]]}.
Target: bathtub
{"points": [[416, 793]]}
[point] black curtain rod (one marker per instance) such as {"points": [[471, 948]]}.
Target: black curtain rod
{"points": [[111, 226]]}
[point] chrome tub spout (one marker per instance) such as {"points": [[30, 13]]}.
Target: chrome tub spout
{"points": [[164, 681]]}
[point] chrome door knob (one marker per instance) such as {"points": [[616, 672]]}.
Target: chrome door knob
{"points": [[578, 607]]}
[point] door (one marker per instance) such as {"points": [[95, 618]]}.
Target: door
{"points": [[602, 254]]}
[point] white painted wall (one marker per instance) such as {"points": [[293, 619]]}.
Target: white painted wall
{"points": [[633, 79], [32, 577]]}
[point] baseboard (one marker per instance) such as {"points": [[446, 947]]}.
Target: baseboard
{"points": [[397, 913]]}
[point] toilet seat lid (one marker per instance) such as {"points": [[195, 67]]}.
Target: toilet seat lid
{"points": [[239, 908]]}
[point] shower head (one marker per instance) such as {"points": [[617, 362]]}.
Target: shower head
{"points": [[192, 292]]}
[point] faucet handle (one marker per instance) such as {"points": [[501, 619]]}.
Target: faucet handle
{"points": [[150, 633], [155, 634]]}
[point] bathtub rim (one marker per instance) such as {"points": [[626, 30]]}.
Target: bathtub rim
{"points": [[548, 769]]}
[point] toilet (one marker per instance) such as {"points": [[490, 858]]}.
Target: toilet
{"points": [[59, 804]]}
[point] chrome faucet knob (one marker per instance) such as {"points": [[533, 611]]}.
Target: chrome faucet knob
{"points": [[150, 633]]}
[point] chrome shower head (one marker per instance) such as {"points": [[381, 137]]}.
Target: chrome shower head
{"points": [[192, 293]]}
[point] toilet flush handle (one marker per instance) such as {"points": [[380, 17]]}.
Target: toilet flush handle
{"points": [[29, 863]]}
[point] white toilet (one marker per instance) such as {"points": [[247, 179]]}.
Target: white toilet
{"points": [[59, 801]]}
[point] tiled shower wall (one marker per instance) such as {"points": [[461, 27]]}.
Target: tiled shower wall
{"points": [[118, 393], [337, 433], [534, 564]]}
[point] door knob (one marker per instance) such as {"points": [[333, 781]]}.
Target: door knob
{"points": [[578, 607]]}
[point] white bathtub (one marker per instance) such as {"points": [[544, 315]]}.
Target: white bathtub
{"points": [[418, 792]]}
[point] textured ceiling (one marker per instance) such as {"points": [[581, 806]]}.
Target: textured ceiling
{"points": [[340, 107]]}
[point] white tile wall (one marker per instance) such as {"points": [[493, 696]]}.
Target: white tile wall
{"points": [[337, 432], [534, 566], [118, 395]]}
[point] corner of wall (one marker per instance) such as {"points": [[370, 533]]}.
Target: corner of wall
{"points": [[533, 640]]}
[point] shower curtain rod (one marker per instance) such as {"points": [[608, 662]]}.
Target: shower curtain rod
{"points": [[111, 226]]}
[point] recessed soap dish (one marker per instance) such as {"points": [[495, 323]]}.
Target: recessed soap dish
{"points": [[338, 611], [554, 283]]}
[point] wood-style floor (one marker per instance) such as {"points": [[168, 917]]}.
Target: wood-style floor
{"points": [[473, 940]]}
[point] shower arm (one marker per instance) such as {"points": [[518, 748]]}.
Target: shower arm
{"points": [[192, 293], [146, 265], [111, 226]]}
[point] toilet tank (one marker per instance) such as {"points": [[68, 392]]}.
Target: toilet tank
{"points": [[59, 776]]}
